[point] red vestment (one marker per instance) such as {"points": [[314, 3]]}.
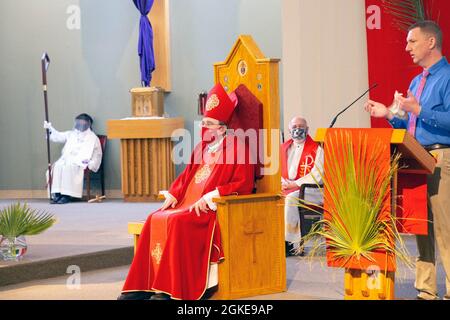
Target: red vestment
{"points": [[305, 166], [176, 247]]}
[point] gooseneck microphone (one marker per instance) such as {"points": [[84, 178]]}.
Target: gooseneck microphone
{"points": [[336, 117]]}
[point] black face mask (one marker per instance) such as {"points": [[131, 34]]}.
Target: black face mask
{"points": [[81, 125], [299, 133]]}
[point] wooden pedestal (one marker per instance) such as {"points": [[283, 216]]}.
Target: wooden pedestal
{"points": [[145, 153]]}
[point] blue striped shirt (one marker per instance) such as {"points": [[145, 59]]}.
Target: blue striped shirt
{"points": [[433, 122]]}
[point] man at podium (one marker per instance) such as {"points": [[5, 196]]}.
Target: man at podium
{"points": [[425, 113], [179, 246]]}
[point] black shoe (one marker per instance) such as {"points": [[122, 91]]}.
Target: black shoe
{"points": [[292, 252], [64, 199], [209, 292], [160, 296], [138, 295], [55, 198], [288, 248]]}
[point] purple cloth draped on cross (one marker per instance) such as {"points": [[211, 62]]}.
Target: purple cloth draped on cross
{"points": [[145, 45]]}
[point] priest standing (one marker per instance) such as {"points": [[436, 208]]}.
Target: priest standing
{"points": [[179, 246]]}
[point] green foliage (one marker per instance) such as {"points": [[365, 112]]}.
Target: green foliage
{"points": [[405, 12], [20, 220], [357, 188]]}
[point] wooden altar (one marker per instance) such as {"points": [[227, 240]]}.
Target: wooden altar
{"points": [[145, 153]]}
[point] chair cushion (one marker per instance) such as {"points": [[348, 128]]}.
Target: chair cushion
{"points": [[248, 114]]}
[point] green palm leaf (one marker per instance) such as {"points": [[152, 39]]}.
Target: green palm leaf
{"points": [[357, 190], [405, 12], [17, 220]]}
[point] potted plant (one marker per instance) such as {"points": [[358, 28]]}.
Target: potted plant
{"points": [[358, 226], [17, 221]]}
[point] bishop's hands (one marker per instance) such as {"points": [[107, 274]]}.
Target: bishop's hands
{"points": [[200, 206], [170, 202]]}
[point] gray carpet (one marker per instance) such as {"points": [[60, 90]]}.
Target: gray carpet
{"points": [[86, 229]]}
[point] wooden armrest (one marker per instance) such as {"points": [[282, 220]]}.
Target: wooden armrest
{"points": [[135, 227], [247, 197]]}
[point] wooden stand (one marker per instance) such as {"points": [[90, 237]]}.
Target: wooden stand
{"points": [[146, 163]]}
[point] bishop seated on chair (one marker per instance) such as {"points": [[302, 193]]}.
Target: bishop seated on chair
{"points": [[180, 244]]}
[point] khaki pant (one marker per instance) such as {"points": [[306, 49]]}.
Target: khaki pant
{"points": [[438, 230]]}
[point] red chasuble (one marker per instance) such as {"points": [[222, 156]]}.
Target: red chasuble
{"points": [[176, 247], [306, 164]]}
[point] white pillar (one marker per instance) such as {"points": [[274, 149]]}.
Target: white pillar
{"points": [[324, 61]]}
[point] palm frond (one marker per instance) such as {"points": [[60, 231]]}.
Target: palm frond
{"points": [[18, 219], [358, 220], [405, 12]]}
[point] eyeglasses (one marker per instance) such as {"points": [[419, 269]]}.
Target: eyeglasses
{"points": [[208, 124]]}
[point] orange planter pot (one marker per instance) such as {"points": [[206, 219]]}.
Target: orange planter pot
{"points": [[369, 285]]}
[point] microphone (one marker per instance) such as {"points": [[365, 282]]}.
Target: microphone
{"points": [[335, 118]]}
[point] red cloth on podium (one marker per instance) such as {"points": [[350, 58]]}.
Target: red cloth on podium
{"points": [[176, 247]]}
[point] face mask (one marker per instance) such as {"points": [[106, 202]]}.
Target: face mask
{"points": [[209, 135], [81, 125], [298, 134]]}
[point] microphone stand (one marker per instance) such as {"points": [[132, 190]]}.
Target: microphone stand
{"points": [[335, 118]]}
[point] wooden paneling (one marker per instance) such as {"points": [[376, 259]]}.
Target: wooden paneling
{"points": [[145, 155], [143, 128], [146, 168], [253, 242]]}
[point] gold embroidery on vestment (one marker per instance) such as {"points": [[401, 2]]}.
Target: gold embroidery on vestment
{"points": [[202, 174], [157, 253]]}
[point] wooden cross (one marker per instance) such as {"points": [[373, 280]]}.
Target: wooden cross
{"points": [[253, 233]]}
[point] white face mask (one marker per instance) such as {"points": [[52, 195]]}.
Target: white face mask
{"points": [[299, 133]]}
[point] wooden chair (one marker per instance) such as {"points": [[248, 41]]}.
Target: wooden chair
{"points": [[252, 226], [100, 173], [308, 217]]}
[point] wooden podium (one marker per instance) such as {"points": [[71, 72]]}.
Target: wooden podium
{"points": [[408, 184], [146, 164]]}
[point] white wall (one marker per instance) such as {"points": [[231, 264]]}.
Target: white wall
{"points": [[94, 67], [324, 61]]}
